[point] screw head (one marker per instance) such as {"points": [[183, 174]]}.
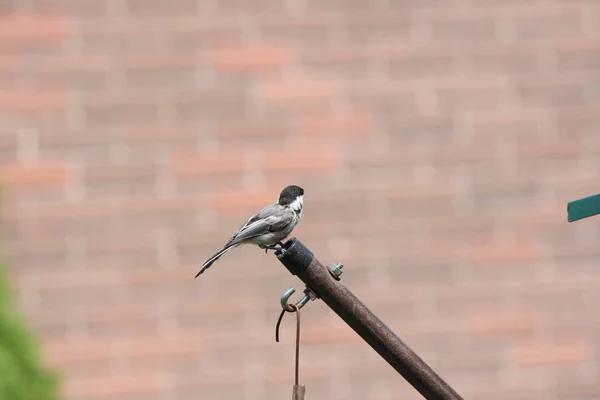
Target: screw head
{"points": [[336, 270]]}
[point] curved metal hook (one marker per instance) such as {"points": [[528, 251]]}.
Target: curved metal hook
{"points": [[286, 296]]}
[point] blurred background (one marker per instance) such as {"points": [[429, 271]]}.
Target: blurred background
{"points": [[438, 143]]}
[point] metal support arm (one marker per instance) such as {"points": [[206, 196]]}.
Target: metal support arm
{"points": [[326, 285]]}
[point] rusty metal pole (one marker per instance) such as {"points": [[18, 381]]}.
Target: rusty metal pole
{"points": [[326, 285]]}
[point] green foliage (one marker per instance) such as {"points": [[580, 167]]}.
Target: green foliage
{"points": [[22, 373]]}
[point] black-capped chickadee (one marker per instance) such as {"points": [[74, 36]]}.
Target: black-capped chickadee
{"points": [[269, 226]]}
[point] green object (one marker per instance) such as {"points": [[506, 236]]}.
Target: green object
{"points": [[22, 373], [583, 208]]}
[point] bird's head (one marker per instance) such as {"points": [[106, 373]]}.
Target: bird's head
{"points": [[291, 196]]}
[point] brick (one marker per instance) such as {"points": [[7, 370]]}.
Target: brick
{"points": [[298, 30], [566, 293], [348, 206], [188, 33], [241, 135], [468, 300], [111, 172], [248, 200], [553, 90], [224, 103], [355, 124], [239, 129], [504, 323], [160, 134], [299, 160], [35, 175], [539, 220], [330, 334], [225, 377], [335, 60], [121, 244], [374, 25], [62, 353], [350, 8], [159, 69], [459, 225], [23, 29], [92, 8], [90, 144], [503, 59], [152, 7], [208, 164], [73, 63], [506, 253], [66, 279], [110, 111], [495, 394], [158, 276], [251, 58], [479, 153], [474, 95], [577, 121], [543, 353], [421, 62], [147, 347], [111, 180], [489, 190], [9, 219], [158, 206], [512, 118], [421, 192], [8, 149], [245, 8], [77, 80], [578, 55], [85, 295], [397, 99], [217, 36], [46, 255], [155, 60], [30, 101], [137, 384], [275, 92], [579, 390], [184, 23], [99, 209], [166, 79], [572, 251], [9, 63], [549, 150], [410, 129], [558, 20], [455, 27]]}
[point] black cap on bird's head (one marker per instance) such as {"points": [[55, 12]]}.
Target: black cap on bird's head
{"points": [[289, 194]]}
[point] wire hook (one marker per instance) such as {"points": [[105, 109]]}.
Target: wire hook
{"points": [[286, 296]]}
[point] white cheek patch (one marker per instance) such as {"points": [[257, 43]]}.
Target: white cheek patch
{"points": [[297, 204]]}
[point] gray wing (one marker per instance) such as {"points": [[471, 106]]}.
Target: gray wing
{"points": [[270, 219]]}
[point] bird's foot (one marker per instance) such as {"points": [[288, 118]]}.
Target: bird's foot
{"points": [[273, 247]]}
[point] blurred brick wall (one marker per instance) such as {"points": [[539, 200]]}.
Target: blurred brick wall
{"points": [[438, 143]]}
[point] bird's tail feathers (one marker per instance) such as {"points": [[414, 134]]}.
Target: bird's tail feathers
{"points": [[214, 258]]}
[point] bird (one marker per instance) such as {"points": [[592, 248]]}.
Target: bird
{"points": [[268, 227]]}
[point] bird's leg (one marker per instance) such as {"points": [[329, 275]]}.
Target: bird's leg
{"points": [[266, 247], [272, 247]]}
